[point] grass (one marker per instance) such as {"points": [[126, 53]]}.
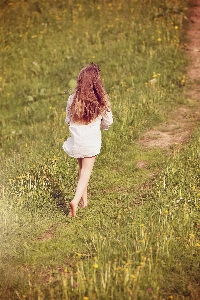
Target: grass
{"points": [[138, 239]]}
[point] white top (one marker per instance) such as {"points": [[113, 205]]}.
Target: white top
{"points": [[85, 140]]}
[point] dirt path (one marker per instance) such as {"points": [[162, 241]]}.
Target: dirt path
{"points": [[194, 44], [182, 121]]}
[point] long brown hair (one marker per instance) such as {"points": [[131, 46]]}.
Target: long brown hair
{"points": [[90, 99]]}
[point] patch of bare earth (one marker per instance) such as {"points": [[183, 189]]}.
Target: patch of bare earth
{"points": [[176, 130], [48, 234], [181, 122]]}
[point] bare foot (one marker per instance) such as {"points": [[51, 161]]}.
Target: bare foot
{"points": [[83, 203], [73, 209]]}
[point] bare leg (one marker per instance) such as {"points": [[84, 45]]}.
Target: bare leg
{"points": [[84, 196], [85, 172]]}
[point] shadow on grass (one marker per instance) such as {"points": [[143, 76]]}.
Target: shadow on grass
{"points": [[59, 199]]}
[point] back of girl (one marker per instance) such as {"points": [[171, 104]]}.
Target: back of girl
{"points": [[88, 111]]}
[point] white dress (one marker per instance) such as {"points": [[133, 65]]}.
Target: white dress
{"points": [[85, 140]]}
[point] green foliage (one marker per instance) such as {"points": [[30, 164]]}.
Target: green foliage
{"points": [[138, 239], [44, 45]]}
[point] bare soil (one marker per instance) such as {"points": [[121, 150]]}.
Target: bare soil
{"points": [[181, 122]]}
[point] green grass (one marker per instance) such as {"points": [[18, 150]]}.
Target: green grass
{"points": [[138, 239]]}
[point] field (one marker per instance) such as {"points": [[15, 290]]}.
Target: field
{"points": [[139, 236]]}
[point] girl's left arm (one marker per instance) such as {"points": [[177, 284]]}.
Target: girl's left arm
{"points": [[107, 120]]}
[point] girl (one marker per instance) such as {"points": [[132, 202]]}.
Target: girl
{"points": [[88, 110]]}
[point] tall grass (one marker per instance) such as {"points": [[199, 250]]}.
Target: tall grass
{"points": [[45, 45], [138, 237]]}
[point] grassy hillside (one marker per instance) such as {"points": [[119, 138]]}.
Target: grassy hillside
{"points": [[138, 238]]}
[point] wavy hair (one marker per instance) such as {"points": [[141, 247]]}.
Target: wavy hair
{"points": [[90, 98]]}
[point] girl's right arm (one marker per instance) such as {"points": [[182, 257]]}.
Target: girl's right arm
{"points": [[69, 102]]}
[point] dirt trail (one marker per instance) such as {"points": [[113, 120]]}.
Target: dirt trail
{"points": [[194, 42], [181, 122]]}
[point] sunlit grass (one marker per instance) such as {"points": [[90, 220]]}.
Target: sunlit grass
{"points": [[138, 239]]}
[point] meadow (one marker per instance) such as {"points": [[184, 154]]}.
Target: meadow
{"points": [[139, 236]]}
